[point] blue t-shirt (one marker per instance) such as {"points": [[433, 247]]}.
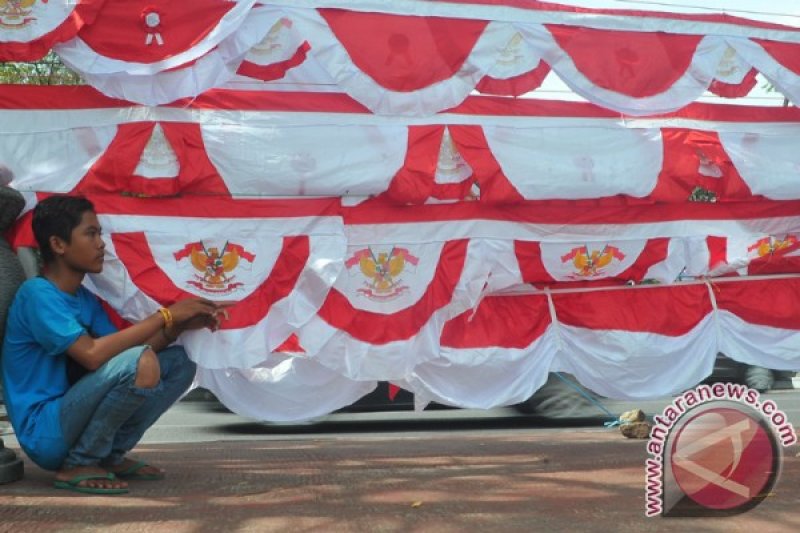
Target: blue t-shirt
{"points": [[43, 322]]}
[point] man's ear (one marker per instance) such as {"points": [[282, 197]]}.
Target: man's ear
{"points": [[58, 245]]}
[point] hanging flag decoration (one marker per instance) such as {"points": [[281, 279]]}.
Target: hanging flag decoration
{"points": [[331, 174]]}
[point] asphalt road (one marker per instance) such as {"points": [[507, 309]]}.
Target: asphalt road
{"points": [[205, 421]]}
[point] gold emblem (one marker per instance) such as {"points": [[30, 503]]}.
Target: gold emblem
{"points": [[213, 266], [15, 14], [590, 264], [772, 246], [382, 271]]}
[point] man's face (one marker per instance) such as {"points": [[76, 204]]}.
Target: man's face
{"points": [[86, 250]]}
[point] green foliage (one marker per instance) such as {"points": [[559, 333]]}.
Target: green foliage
{"points": [[47, 71]]}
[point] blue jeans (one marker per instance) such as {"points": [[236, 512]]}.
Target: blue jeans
{"points": [[105, 414]]}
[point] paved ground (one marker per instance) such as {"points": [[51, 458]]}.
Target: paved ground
{"points": [[559, 479], [436, 471]]}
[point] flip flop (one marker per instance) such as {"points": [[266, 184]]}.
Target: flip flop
{"points": [[133, 473], [73, 484]]}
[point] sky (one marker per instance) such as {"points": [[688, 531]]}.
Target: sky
{"points": [[780, 11]]}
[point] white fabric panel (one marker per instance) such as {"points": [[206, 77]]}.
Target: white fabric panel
{"points": [[283, 389], [309, 75], [786, 81], [741, 250], [53, 161], [46, 16], [674, 266], [306, 160], [227, 348], [152, 84], [394, 360], [765, 346], [505, 271], [451, 166], [115, 286], [685, 90], [251, 274], [82, 58], [697, 257], [768, 163], [620, 255], [158, 157], [733, 67], [518, 57], [184, 228], [484, 378], [330, 53], [358, 360], [551, 163], [637, 365], [279, 44], [386, 278], [21, 120]]}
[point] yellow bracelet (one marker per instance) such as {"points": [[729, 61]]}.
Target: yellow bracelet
{"points": [[167, 317]]}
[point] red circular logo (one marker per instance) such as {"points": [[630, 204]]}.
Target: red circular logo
{"points": [[724, 458]]}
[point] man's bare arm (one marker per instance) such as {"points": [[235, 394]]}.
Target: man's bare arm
{"points": [[93, 353]]}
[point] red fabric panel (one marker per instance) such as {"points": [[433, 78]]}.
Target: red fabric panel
{"points": [[134, 252], [120, 33], [197, 174], [691, 158], [516, 85], [570, 212], [404, 53], [762, 302], [474, 148], [507, 321], [379, 328], [21, 233], [529, 258], [413, 183], [274, 71], [214, 206], [735, 90], [291, 345], [114, 171], [84, 13], [672, 311], [637, 64], [717, 251], [776, 261], [454, 191], [120, 160], [787, 54], [85, 97]]}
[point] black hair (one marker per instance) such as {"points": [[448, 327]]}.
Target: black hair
{"points": [[57, 216]]}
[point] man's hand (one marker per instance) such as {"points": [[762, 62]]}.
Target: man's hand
{"points": [[207, 314], [191, 308]]}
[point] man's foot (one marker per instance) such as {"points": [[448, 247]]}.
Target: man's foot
{"points": [[89, 479], [133, 469]]}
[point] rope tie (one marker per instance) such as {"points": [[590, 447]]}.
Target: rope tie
{"points": [[610, 423], [714, 310], [560, 344], [554, 319]]}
